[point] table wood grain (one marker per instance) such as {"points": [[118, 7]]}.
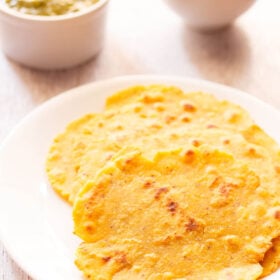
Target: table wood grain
{"points": [[145, 37]]}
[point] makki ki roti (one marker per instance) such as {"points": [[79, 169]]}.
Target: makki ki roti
{"points": [[72, 159], [93, 259], [257, 157], [131, 114], [193, 213]]}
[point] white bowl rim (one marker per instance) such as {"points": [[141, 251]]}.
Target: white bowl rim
{"points": [[18, 15]]}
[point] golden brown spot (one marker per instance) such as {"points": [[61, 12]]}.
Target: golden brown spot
{"points": [[119, 127], [211, 126], [144, 116], [189, 156], [189, 153], [137, 108], [159, 107], [216, 182], [185, 119], [160, 191], [89, 229], [89, 204], [277, 215], [148, 184], [221, 195], [277, 169], [191, 225], [188, 107], [169, 119], [232, 117], [226, 141], [172, 207], [156, 125], [178, 237], [152, 98], [128, 161], [100, 124], [232, 241], [252, 152], [209, 243], [121, 259], [87, 131], [77, 168], [106, 259], [196, 143], [225, 189]]}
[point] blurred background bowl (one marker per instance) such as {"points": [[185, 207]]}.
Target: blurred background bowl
{"points": [[53, 42], [207, 15]]}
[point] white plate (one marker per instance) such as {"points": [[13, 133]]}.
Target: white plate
{"points": [[35, 224]]}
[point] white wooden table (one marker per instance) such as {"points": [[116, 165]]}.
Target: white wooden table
{"points": [[145, 37]]}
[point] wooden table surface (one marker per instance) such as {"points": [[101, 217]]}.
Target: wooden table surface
{"points": [[145, 37]]}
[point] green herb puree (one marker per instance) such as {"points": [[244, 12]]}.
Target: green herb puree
{"points": [[49, 7]]}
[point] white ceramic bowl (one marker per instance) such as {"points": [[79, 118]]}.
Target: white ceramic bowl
{"points": [[208, 15], [52, 42]]}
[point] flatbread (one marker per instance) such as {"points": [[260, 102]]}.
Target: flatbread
{"points": [[194, 213], [154, 118], [132, 114]]}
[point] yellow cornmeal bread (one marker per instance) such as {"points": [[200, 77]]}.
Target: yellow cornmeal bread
{"points": [[150, 111], [187, 214], [156, 118]]}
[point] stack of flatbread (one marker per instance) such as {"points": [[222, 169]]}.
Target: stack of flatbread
{"points": [[170, 185]]}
